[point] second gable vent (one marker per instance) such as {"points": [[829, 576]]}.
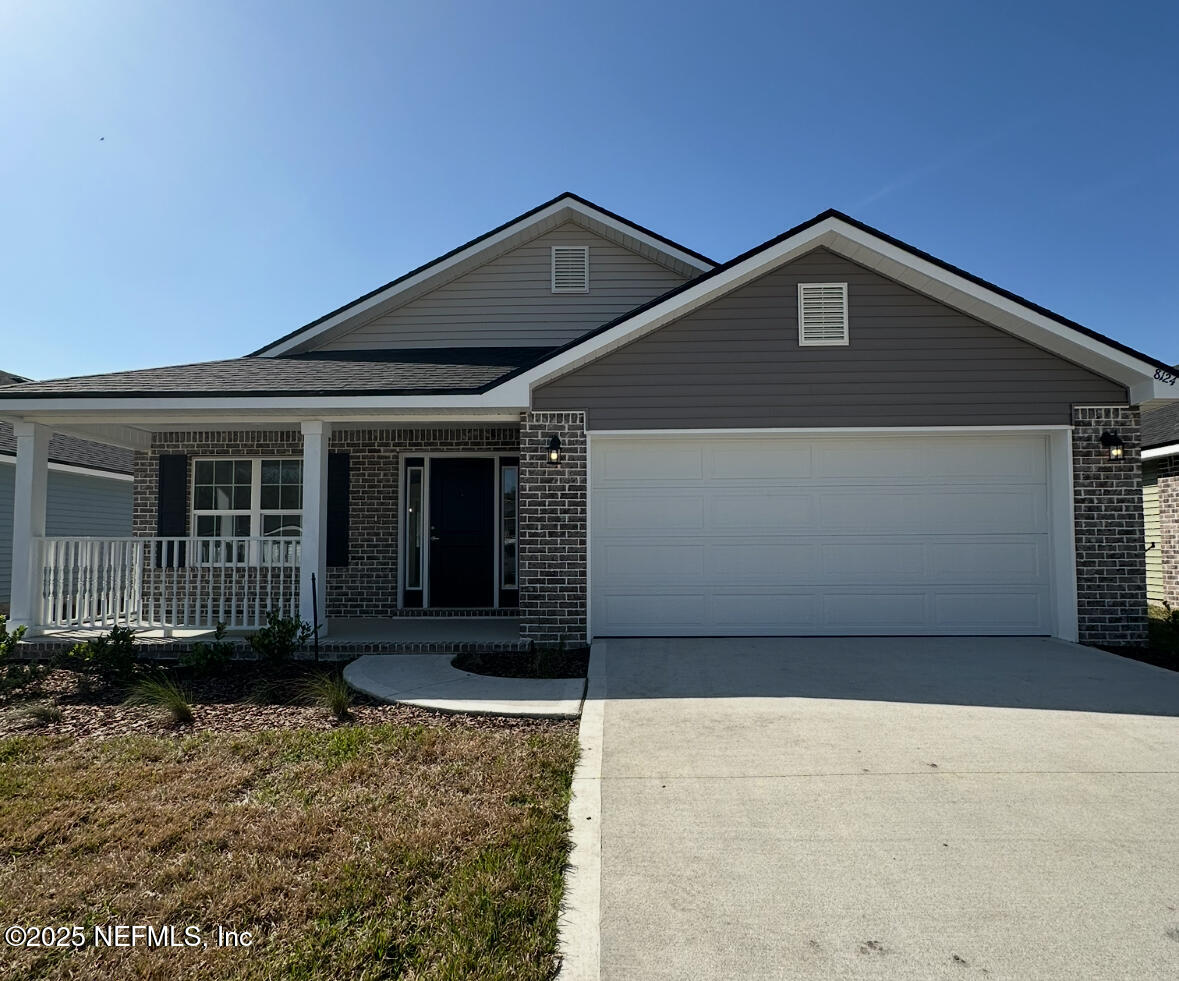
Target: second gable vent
{"points": [[822, 313], [570, 268]]}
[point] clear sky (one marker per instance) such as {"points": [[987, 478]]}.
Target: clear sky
{"points": [[183, 181]]}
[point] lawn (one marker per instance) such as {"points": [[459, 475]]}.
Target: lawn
{"points": [[409, 850]]}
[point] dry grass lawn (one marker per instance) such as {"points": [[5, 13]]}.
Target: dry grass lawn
{"points": [[408, 851]]}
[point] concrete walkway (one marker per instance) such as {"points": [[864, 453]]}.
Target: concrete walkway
{"points": [[430, 681], [872, 808]]}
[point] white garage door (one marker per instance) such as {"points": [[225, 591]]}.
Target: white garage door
{"points": [[723, 535]]}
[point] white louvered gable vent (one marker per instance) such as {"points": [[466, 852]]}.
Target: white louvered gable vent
{"points": [[822, 313], [570, 268]]}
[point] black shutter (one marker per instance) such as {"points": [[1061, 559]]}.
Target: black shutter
{"points": [[338, 491], [172, 504]]}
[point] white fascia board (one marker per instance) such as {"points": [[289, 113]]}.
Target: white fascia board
{"points": [[920, 274], [75, 469], [1171, 449], [100, 410], [440, 269]]}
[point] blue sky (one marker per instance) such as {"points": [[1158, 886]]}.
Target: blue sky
{"points": [[185, 181]]}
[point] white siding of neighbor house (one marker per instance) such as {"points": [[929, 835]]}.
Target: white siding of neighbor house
{"points": [[509, 302], [76, 505]]}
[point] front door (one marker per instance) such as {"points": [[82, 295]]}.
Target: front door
{"points": [[462, 532]]}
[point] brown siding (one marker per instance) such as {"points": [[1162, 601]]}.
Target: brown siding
{"points": [[912, 361]]}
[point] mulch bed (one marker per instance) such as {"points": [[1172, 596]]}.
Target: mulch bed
{"points": [[1160, 659], [246, 699], [555, 664]]}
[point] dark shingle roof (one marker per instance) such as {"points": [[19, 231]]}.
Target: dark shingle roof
{"points": [[1160, 427], [78, 452], [434, 371]]}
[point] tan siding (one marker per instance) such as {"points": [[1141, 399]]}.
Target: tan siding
{"points": [[1150, 515], [509, 301], [911, 361]]}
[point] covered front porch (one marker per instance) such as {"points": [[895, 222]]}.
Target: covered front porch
{"points": [[390, 533]]}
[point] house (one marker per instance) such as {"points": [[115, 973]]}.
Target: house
{"points": [[577, 422], [1160, 501], [88, 490]]}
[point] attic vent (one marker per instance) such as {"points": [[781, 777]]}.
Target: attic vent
{"points": [[822, 313], [570, 268]]}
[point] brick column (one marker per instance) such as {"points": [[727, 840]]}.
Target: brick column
{"points": [[553, 538], [1107, 501], [1168, 484]]}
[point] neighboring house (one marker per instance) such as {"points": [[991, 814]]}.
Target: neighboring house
{"points": [[1160, 501], [577, 421], [88, 490]]}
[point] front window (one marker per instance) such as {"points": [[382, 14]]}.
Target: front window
{"points": [[234, 499]]}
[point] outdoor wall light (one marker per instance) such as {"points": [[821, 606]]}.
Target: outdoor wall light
{"points": [[1112, 442], [555, 450]]}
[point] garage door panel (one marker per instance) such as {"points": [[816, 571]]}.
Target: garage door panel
{"points": [[762, 512], [637, 511], [781, 535]]}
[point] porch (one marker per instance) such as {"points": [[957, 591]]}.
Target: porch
{"points": [[390, 533]]}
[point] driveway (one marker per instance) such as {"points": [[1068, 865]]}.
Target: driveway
{"points": [[887, 808]]}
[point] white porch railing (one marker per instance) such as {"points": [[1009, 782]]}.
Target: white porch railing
{"points": [[166, 583]]}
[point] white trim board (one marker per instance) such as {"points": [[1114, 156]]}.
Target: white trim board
{"points": [[889, 260], [1157, 451], [80, 471]]}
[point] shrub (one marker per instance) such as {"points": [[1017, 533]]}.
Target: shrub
{"points": [[1164, 628], [14, 674], [108, 658], [162, 692], [329, 692], [35, 714], [277, 642], [205, 660]]}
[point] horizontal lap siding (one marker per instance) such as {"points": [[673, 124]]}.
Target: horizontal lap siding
{"points": [[911, 361], [75, 505], [509, 301]]}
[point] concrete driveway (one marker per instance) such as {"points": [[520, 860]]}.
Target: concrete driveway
{"points": [[886, 808]]}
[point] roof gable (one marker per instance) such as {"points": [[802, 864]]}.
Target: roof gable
{"points": [[1145, 377], [418, 282]]}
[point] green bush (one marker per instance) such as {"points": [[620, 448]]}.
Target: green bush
{"points": [[1164, 628], [16, 675], [108, 658], [162, 692], [207, 660], [277, 642]]}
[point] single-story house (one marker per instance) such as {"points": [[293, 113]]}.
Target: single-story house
{"points": [[577, 422], [88, 490], [1160, 501]]}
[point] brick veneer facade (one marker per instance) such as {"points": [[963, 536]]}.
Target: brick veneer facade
{"points": [[367, 586], [1167, 468], [553, 542], [1107, 498]]}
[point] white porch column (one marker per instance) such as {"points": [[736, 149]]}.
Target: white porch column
{"points": [[314, 545], [28, 519]]}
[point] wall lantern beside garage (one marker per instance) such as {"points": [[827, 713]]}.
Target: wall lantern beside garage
{"points": [[1112, 442], [555, 451]]}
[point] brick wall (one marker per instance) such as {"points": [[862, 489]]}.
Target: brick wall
{"points": [[367, 586], [1107, 497], [1168, 477], [553, 539]]}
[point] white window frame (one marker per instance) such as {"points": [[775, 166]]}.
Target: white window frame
{"points": [[256, 511], [825, 342], [585, 252]]}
